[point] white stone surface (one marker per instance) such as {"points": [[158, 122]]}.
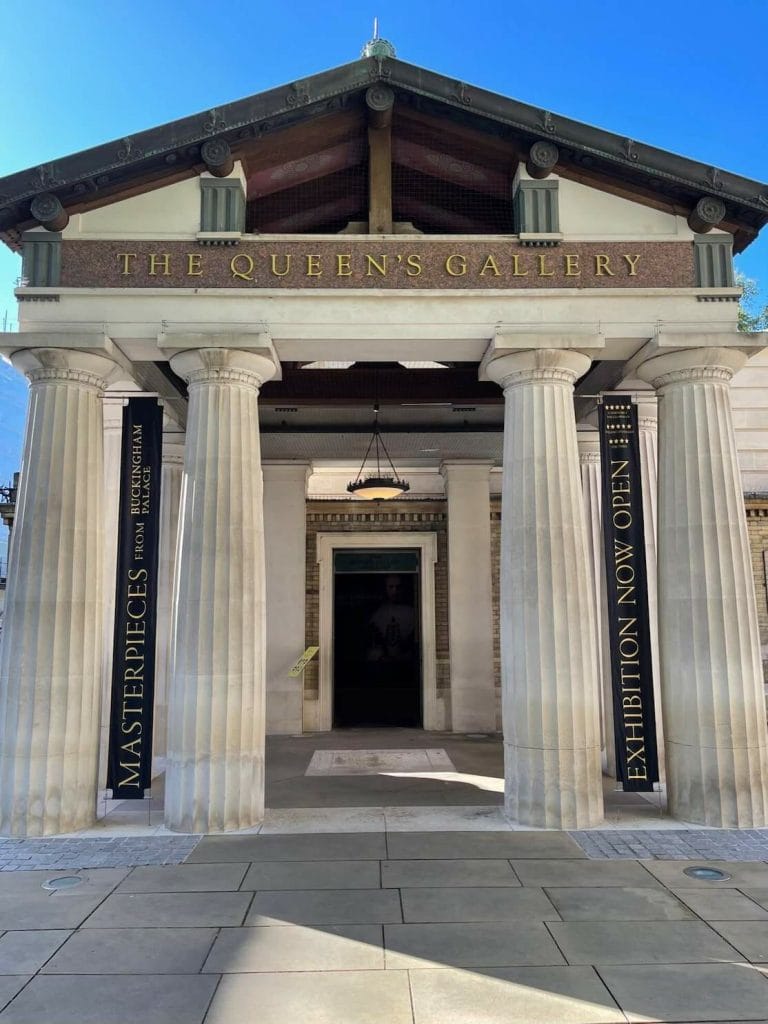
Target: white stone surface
{"points": [[648, 437], [285, 526], [470, 603], [591, 482], [711, 674], [215, 760], [549, 661], [377, 762], [170, 503], [50, 662], [113, 432]]}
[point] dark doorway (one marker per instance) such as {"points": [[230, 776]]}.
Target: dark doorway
{"points": [[376, 655]]}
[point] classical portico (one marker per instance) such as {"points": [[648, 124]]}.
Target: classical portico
{"points": [[483, 292]]}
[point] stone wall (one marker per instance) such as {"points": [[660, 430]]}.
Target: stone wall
{"points": [[425, 516], [757, 527]]}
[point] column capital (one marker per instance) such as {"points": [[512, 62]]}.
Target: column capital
{"points": [[479, 469], [224, 366], [286, 470], [692, 365], [172, 454], [542, 365], [65, 366], [588, 440]]}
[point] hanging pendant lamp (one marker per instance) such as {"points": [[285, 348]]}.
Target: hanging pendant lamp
{"points": [[381, 483]]}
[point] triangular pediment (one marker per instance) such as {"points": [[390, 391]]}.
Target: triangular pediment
{"points": [[455, 149]]}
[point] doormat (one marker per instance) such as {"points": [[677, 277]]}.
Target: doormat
{"points": [[378, 762]]}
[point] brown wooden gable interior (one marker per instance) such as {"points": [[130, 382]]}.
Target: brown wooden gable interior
{"points": [[445, 177]]}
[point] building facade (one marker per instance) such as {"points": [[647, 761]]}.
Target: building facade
{"points": [[481, 273]]}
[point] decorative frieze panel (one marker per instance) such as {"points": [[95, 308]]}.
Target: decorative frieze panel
{"points": [[41, 259], [713, 261], [536, 207], [222, 205]]}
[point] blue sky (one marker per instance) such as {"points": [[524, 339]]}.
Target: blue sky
{"points": [[685, 76]]}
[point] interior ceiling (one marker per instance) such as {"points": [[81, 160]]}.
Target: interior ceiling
{"points": [[446, 177]]}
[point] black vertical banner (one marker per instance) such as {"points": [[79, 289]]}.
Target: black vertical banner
{"points": [[634, 719], [133, 665]]}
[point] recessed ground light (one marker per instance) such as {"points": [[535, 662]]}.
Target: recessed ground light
{"points": [[63, 882], [707, 874]]}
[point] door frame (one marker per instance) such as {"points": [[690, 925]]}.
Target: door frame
{"points": [[426, 545]]}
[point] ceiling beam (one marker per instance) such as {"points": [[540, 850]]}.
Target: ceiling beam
{"points": [[450, 168], [267, 181], [380, 101]]}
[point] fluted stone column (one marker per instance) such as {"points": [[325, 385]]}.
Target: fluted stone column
{"points": [[285, 528], [113, 433], [711, 675], [50, 663], [591, 483], [550, 696], [170, 499], [470, 601], [648, 437], [215, 760]]}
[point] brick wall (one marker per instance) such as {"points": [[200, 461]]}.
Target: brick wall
{"points": [[331, 516]]}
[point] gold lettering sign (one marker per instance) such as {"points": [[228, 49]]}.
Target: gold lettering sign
{"points": [[416, 262]]}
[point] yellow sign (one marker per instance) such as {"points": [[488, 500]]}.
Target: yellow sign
{"points": [[303, 661]]}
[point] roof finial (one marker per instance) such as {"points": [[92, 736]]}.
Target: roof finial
{"points": [[377, 47]]}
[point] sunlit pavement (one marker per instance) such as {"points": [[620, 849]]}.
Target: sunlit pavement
{"points": [[410, 902]]}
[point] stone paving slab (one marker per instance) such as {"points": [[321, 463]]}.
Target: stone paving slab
{"points": [[489, 944], [726, 905], [326, 906], [442, 873], [45, 911], [688, 992], [10, 986], [476, 904], [551, 873], [133, 951], [655, 942], [26, 951], [94, 882], [351, 947], [478, 845], [749, 937], [617, 903], [185, 878], [330, 997], [329, 846], [328, 874], [529, 995], [171, 910], [743, 874], [110, 999]]}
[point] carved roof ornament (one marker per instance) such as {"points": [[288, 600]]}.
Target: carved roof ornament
{"points": [[629, 149], [706, 214], [215, 122], [376, 46], [128, 151], [380, 100], [547, 122], [542, 159], [48, 212], [217, 157]]}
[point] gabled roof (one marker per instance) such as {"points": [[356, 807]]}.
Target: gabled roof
{"points": [[253, 126]]}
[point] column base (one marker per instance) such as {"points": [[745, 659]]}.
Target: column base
{"points": [[540, 792], [719, 787], [215, 796]]}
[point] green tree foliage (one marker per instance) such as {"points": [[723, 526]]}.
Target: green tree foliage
{"points": [[753, 314]]}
